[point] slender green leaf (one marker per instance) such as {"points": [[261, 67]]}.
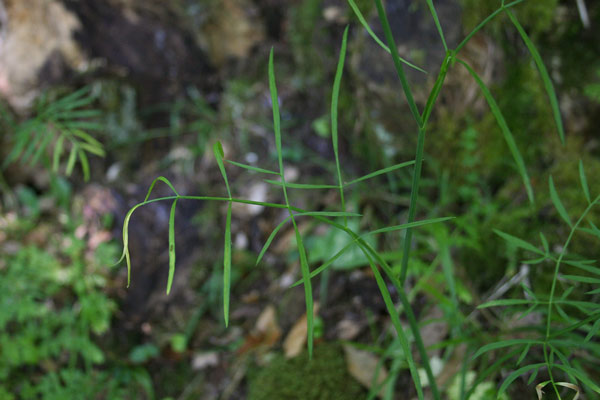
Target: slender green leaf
{"points": [[161, 179], [543, 74], [276, 115], [307, 289], [533, 376], [227, 266], [584, 184], [219, 155], [582, 279], [545, 243], [515, 241], [326, 264], [515, 374], [580, 375], [437, 23], [87, 137], [251, 168], [557, 203], [85, 165], [334, 118], [58, 149], [171, 246], [506, 302], [504, 343], [71, 160], [411, 225], [270, 239], [301, 185], [365, 24], [508, 137], [99, 151], [524, 353], [593, 331], [380, 172]]}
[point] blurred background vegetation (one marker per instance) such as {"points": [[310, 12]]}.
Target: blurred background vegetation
{"points": [[99, 98]]}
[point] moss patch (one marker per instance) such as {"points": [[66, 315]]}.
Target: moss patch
{"points": [[325, 377]]}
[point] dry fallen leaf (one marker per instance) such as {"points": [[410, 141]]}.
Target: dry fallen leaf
{"points": [[296, 339], [362, 365], [265, 334]]}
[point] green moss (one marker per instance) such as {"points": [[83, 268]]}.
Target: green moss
{"points": [[325, 377]]}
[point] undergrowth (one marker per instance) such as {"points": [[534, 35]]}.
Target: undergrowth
{"points": [[561, 347]]}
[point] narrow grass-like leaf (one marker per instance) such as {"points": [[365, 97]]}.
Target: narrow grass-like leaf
{"points": [[219, 155], [524, 353], [387, 299], [99, 151], [334, 118], [411, 225], [307, 289], [505, 302], [58, 149], [543, 74], [593, 331], [86, 136], [580, 376], [557, 203], [365, 24], [161, 179], [171, 246], [437, 23], [85, 165], [380, 172], [270, 239], [251, 168], [276, 115], [544, 243], [582, 279], [505, 343], [397, 62], [532, 376], [584, 184], [508, 137], [517, 373], [327, 263], [227, 266], [301, 185], [515, 241], [71, 160]]}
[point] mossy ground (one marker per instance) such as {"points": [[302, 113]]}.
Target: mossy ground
{"points": [[325, 377]]}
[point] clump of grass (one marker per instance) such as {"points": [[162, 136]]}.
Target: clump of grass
{"points": [[553, 342]]}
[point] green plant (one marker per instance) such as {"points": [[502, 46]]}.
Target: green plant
{"points": [[373, 256], [53, 309], [60, 124]]}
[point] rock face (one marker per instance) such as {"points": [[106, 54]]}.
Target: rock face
{"points": [[43, 41], [36, 45]]}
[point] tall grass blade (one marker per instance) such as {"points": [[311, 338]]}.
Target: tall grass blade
{"points": [[334, 118], [365, 24], [380, 172], [171, 247], [398, 63], [270, 239], [307, 289], [557, 203], [437, 23], [543, 74], [227, 266], [584, 184], [508, 137], [276, 115], [251, 168], [515, 241]]}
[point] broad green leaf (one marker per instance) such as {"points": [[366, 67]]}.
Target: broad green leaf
{"points": [[227, 266], [515, 241], [584, 184], [365, 24], [171, 246], [543, 74], [557, 203], [508, 137]]}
